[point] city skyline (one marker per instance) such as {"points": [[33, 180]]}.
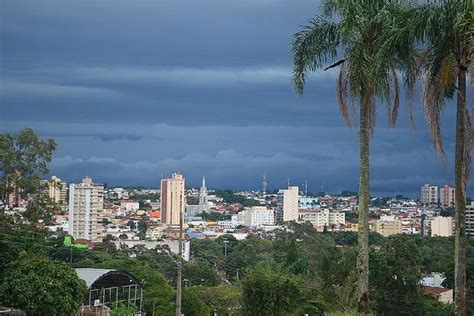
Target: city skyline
{"points": [[213, 99]]}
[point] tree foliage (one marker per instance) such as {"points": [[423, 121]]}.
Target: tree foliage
{"points": [[24, 157], [270, 293], [40, 286]]}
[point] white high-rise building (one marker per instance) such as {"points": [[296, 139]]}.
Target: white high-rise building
{"points": [[258, 215], [287, 209], [429, 194], [442, 226], [172, 199], [86, 200], [447, 196], [470, 219]]}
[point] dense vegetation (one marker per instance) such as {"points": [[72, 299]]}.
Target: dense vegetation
{"points": [[290, 272], [230, 197]]}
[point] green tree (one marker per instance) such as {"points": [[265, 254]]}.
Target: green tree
{"points": [[223, 299], [193, 304], [352, 29], [131, 224], [24, 157], [157, 292], [395, 278], [270, 293], [206, 250], [200, 273], [42, 287], [447, 28], [40, 211]]}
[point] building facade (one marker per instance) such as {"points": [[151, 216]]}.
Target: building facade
{"points": [[86, 200], [172, 199], [447, 196], [307, 202], [258, 215], [287, 206], [387, 226], [324, 218], [203, 206], [56, 189], [442, 226], [429, 194], [470, 220], [129, 206]]}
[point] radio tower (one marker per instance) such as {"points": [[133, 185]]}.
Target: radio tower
{"points": [[265, 184]]}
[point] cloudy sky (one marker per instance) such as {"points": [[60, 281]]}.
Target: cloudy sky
{"points": [[132, 90]]}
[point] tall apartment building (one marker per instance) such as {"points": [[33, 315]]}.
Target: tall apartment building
{"points": [[287, 208], [387, 226], [56, 190], [429, 194], [442, 226], [172, 199], [86, 200], [447, 196], [470, 220]]}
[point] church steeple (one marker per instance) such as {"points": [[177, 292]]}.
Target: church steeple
{"points": [[203, 200]]}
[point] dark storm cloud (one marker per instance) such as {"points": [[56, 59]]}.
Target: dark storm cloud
{"points": [[135, 89]]}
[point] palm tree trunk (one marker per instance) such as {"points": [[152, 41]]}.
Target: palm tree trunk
{"points": [[460, 197], [364, 183]]}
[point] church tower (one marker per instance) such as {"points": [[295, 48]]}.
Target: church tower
{"points": [[203, 200]]}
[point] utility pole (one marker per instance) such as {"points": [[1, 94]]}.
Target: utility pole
{"points": [[180, 265], [225, 248]]}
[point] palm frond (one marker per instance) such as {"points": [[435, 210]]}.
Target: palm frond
{"points": [[316, 44], [396, 99], [341, 93], [433, 103]]}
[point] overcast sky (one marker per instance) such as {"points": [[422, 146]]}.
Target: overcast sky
{"points": [[132, 90]]}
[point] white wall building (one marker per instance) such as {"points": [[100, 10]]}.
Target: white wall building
{"points": [[470, 219], [258, 216], [86, 200], [442, 226], [129, 206], [323, 218], [238, 219]]}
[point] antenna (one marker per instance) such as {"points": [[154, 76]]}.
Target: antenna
{"points": [[265, 183], [306, 188], [288, 182]]}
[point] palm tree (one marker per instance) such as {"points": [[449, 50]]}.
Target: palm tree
{"points": [[348, 35], [446, 28]]}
